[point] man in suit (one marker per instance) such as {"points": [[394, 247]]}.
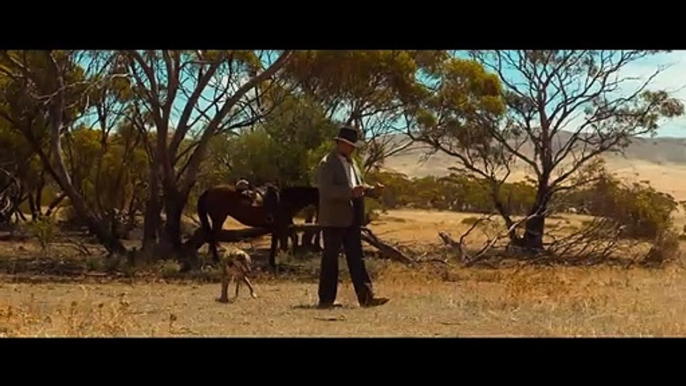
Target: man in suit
{"points": [[341, 214]]}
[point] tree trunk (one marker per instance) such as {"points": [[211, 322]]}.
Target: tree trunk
{"points": [[174, 202], [56, 125], [20, 216], [534, 228], [55, 203], [153, 208], [39, 197], [32, 207], [151, 223], [106, 238], [533, 233]]}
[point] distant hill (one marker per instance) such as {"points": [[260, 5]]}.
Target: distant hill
{"points": [[662, 161]]}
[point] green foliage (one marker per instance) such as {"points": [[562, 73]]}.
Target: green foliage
{"points": [[110, 178], [455, 193], [45, 230], [375, 77], [462, 114], [253, 155], [284, 149], [643, 212], [372, 89], [485, 112]]}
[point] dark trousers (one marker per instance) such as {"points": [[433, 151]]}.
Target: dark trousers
{"points": [[351, 240]]}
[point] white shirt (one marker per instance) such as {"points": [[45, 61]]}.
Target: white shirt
{"points": [[350, 172]]}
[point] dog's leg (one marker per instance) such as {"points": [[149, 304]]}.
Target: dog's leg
{"points": [[224, 298], [238, 286], [252, 291]]}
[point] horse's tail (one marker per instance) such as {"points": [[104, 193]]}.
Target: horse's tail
{"points": [[204, 218]]}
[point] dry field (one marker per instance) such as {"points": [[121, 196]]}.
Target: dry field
{"points": [[429, 301], [661, 161]]}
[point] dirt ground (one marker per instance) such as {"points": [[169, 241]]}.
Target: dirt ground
{"points": [[430, 301], [477, 303]]}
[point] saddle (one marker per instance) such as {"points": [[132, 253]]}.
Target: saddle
{"points": [[255, 195]]}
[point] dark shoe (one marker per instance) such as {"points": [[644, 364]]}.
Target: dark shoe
{"points": [[328, 306], [375, 302]]}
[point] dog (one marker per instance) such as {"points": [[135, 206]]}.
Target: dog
{"points": [[235, 263]]}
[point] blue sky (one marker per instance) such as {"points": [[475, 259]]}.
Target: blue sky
{"points": [[672, 79]]}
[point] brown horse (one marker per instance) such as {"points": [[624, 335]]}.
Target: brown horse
{"points": [[292, 200], [274, 214]]}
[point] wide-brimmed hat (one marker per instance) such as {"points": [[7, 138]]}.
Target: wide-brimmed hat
{"points": [[349, 135]]}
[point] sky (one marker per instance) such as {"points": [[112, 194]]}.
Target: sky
{"points": [[672, 79]]}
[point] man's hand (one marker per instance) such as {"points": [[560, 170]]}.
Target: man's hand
{"points": [[374, 191], [358, 191]]}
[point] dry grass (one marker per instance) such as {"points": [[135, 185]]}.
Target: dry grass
{"points": [[531, 302], [434, 300]]}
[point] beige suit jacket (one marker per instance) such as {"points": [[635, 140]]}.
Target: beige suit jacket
{"points": [[335, 192]]}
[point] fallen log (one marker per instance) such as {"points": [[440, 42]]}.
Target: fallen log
{"points": [[369, 237], [455, 245], [386, 249], [235, 235]]}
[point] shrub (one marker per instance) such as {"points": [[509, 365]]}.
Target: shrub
{"points": [[45, 230], [643, 212]]}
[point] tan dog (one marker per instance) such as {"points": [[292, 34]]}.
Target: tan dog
{"points": [[237, 264]]}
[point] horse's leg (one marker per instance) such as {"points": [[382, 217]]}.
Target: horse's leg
{"points": [[272, 249], [286, 233], [296, 241], [307, 242], [286, 236], [217, 225], [317, 234], [317, 241]]}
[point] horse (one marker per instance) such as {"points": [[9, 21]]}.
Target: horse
{"points": [[274, 214], [292, 200]]}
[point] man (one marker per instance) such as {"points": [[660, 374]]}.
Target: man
{"points": [[341, 214]]}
